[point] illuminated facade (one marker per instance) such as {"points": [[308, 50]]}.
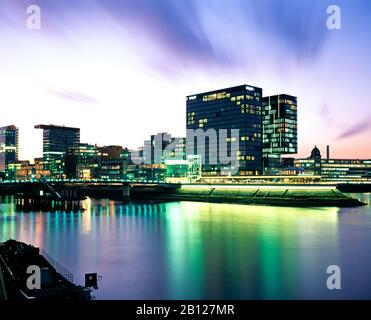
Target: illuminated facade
{"points": [[345, 170], [147, 172], [335, 170], [163, 156], [162, 147], [236, 108], [279, 122], [25, 171], [113, 162], [56, 141], [177, 150], [8, 146], [82, 162]]}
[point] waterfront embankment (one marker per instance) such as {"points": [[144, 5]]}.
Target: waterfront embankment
{"points": [[276, 195]]}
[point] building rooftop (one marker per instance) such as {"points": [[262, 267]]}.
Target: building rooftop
{"points": [[52, 126], [230, 89]]}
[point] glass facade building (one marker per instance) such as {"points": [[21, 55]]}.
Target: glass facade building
{"points": [[235, 108], [56, 141], [8, 146], [279, 122], [82, 162]]}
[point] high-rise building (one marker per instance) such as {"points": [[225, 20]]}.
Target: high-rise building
{"points": [[8, 146], [279, 119], [56, 141], [225, 111]]}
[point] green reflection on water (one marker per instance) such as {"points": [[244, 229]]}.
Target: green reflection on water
{"points": [[239, 244]]}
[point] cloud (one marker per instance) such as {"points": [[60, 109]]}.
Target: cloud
{"points": [[325, 113], [358, 128], [185, 32], [298, 26], [74, 96], [175, 27]]}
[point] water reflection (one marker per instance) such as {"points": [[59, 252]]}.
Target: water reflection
{"points": [[191, 250]]}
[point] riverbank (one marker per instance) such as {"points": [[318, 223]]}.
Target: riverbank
{"points": [[285, 195]]}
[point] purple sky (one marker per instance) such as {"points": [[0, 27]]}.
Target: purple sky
{"points": [[120, 70]]}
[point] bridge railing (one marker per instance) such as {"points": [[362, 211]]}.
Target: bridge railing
{"points": [[85, 181]]}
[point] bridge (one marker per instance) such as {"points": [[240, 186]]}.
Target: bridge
{"points": [[76, 190]]}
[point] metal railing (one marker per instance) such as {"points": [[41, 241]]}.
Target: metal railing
{"points": [[63, 271]]}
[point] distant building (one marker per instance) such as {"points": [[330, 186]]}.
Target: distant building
{"points": [[279, 118], [162, 156], [287, 162], [177, 150], [346, 170], [82, 162], [175, 159], [41, 171], [235, 108], [19, 170], [154, 148], [8, 146], [335, 170], [24, 170], [147, 172], [113, 162], [56, 141], [312, 164]]}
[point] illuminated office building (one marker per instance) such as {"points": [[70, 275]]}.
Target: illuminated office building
{"points": [[162, 156], [335, 170], [8, 146], [279, 121], [113, 162], [56, 141], [82, 162], [231, 108], [24, 170], [163, 146]]}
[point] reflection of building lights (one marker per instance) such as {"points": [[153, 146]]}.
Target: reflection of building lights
{"points": [[86, 217]]}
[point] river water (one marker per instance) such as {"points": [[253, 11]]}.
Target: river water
{"points": [[189, 250]]}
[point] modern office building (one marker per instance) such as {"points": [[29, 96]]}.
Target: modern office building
{"points": [[113, 162], [8, 146], [279, 119], [177, 150], [82, 162], [224, 110], [335, 170], [175, 158], [56, 141], [155, 149], [162, 156]]}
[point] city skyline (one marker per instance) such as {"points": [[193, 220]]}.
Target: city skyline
{"points": [[115, 67]]}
